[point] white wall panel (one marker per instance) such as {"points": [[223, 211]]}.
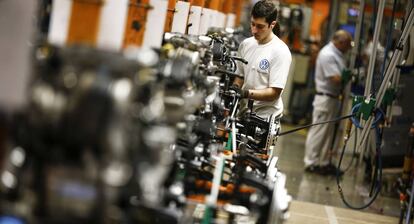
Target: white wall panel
{"points": [[112, 24], [180, 17], [194, 20], [154, 28], [59, 22]]}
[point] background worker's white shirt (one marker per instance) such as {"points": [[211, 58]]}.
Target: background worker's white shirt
{"points": [[380, 51], [268, 66], [330, 62]]}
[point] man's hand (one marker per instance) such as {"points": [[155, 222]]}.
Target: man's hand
{"points": [[242, 93]]}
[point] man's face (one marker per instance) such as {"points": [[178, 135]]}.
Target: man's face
{"points": [[345, 45], [260, 28]]}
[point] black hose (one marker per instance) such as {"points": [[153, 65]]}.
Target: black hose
{"points": [[353, 151], [310, 125], [376, 183], [228, 73], [240, 59]]}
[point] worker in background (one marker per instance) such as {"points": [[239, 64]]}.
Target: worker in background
{"points": [[268, 65], [379, 59], [329, 65]]}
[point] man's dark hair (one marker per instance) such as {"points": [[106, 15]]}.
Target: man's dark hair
{"points": [[265, 9]]}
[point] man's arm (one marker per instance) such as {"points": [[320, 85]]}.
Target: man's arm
{"points": [[331, 69], [238, 82], [267, 94], [336, 80]]}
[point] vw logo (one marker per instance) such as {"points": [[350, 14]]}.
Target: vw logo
{"points": [[264, 64]]}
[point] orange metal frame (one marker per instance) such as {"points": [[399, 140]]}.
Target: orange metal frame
{"points": [[136, 20], [238, 8], [84, 22], [170, 15]]}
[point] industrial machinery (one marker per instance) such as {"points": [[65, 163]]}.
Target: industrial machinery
{"points": [[144, 136]]}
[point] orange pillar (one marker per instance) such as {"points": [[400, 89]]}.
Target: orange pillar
{"points": [[228, 6], [84, 22], [221, 5], [320, 12], [294, 1], [197, 2], [135, 25], [170, 15], [238, 8], [212, 4]]}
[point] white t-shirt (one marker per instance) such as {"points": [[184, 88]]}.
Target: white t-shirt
{"points": [[268, 66]]}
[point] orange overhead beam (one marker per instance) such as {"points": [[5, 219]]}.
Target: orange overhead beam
{"points": [[320, 12], [197, 2], [294, 1], [238, 7], [228, 6], [136, 20], [84, 22], [221, 5], [170, 15], [212, 4]]}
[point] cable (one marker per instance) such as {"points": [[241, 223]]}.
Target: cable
{"points": [[355, 131], [310, 125], [376, 184], [355, 121], [379, 114], [233, 64], [377, 181]]}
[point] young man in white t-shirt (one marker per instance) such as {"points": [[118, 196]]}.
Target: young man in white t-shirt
{"points": [[268, 65]]}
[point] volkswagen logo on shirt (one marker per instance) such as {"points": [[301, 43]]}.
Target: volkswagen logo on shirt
{"points": [[264, 64]]}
